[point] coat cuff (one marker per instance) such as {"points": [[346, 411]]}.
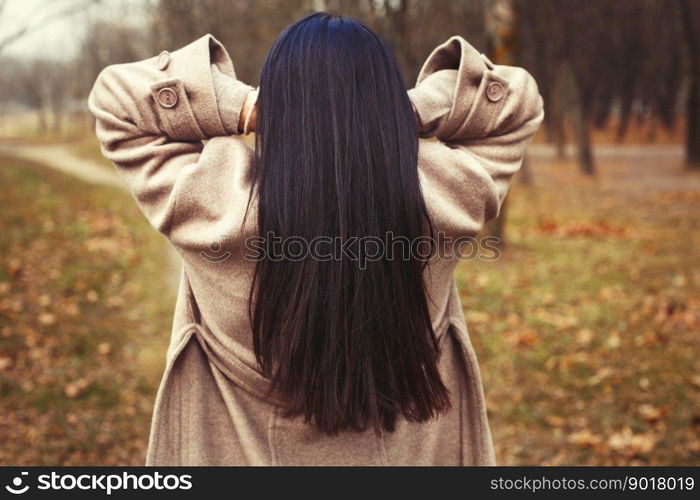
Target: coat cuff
{"points": [[465, 98], [207, 98], [230, 96], [432, 101]]}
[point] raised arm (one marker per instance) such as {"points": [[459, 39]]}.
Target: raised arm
{"points": [[152, 117], [484, 115]]}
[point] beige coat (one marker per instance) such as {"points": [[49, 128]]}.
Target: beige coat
{"points": [[169, 124]]}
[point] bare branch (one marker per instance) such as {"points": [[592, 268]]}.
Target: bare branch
{"points": [[42, 21]]}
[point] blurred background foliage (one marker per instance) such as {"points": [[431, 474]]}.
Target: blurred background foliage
{"points": [[587, 328]]}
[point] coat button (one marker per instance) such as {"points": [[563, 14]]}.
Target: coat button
{"points": [[163, 60], [167, 97], [494, 91]]}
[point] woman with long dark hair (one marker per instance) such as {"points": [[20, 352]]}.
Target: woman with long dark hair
{"points": [[318, 320]]}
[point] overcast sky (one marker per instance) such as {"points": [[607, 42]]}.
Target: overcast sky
{"points": [[57, 38]]}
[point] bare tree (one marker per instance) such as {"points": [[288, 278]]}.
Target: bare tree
{"points": [[690, 16], [411, 27], [59, 81], [30, 80], [594, 59], [43, 17], [108, 43]]}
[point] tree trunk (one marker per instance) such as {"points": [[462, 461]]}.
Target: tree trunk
{"points": [[583, 141], [554, 127], [42, 121], [559, 137], [501, 30], [525, 176], [57, 121], [581, 125], [692, 132], [497, 227], [557, 134], [692, 139]]}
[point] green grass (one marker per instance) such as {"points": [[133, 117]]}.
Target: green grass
{"points": [[84, 322], [588, 338], [587, 328]]}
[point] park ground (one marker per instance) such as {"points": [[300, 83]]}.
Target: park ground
{"points": [[587, 328]]}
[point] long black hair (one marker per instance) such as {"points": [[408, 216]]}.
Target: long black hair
{"points": [[349, 344]]}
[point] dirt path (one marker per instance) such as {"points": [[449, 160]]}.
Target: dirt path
{"points": [[628, 166], [61, 158], [606, 152], [636, 169]]}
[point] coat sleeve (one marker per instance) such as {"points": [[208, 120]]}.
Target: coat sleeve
{"points": [[484, 116], [151, 119]]}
